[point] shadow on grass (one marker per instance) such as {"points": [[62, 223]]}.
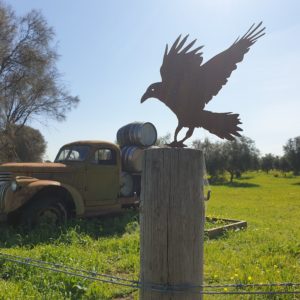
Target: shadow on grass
{"points": [[285, 176], [246, 177], [222, 236], [71, 232], [296, 183], [237, 184]]}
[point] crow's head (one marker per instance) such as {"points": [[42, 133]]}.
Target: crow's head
{"points": [[155, 90]]}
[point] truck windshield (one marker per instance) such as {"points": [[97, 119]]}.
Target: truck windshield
{"points": [[73, 153]]}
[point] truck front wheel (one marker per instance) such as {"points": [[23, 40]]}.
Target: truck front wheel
{"points": [[45, 211]]}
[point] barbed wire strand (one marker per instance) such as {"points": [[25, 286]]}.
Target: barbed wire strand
{"points": [[93, 273], [70, 273], [153, 287], [240, 285], [171, 289], [57, 265], [251, 293]]}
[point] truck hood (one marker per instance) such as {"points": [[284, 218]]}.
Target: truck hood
{"points": [[27, 168]]}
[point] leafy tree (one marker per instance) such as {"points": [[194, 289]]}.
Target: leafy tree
{"points": [[276, 163], [268, 162], [25, 144], [240, 155], [292, 154], [284, 165], [214, 158], [30, 84]]}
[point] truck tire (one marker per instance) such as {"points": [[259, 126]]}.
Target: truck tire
{"points": [[48, 210]]}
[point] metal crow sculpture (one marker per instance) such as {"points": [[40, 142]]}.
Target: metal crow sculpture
{"points": [[187, 86]]}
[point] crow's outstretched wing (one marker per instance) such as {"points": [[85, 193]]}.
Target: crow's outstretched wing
{"points": [[180, 60], [215, 72], [179, 66]]}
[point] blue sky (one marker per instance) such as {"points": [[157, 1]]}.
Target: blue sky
{"points": [[112, 50]]}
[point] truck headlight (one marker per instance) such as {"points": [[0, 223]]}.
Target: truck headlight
{"points": [[14, 186]]}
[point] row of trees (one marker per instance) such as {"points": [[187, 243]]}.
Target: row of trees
{"points": [[290, 161], [30, 85], [240, 155], [235, 157]]}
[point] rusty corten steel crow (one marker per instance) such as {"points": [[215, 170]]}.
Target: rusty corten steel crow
{"points": [[187, 86]]}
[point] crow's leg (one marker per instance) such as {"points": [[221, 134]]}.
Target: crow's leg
{"points": [[180, 144], [179, 127], [175, 143], [188, 135]]}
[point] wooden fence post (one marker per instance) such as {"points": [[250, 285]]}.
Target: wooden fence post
{"points": [[172, 224]]}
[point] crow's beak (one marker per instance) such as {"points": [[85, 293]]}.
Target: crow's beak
{"points": [[144, 98]]}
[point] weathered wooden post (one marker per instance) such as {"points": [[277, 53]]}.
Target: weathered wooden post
{"points": [[172, 224]]}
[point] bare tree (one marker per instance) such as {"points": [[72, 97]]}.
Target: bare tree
{"points": [[30, 84]]}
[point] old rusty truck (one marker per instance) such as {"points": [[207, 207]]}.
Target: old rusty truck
{"points": [[87, 178]]}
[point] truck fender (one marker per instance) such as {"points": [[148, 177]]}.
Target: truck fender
{"points": [[77, 198], [14, 200]]}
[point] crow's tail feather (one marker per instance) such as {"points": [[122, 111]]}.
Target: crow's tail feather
{"points": [[224, 125]]}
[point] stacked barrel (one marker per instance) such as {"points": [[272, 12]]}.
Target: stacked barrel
{"points": [[133, 139]]}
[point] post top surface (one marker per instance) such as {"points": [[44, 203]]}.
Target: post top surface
{"points": [[169, 149]]}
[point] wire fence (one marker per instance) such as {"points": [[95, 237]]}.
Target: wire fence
{"points": [[207, 289]]}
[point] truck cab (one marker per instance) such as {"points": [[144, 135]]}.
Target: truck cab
{"points": [[84, 180]]}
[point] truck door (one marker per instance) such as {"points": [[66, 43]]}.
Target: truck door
{"points": [[102, 178]]}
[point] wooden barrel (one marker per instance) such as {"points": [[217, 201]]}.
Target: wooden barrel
{"points": [[132, 159], [126, 184], [137, 133]]}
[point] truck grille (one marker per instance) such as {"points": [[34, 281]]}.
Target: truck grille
{"points": [[3, 187], [5, 176], [5, 179]]}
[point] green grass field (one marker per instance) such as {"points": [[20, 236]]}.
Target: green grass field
{"points": [[267, 251]]}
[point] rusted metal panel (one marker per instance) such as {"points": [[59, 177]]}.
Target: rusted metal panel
{"points": [[88, 182], [94, 143], [188, 85], [27, 189], [33, 167]]}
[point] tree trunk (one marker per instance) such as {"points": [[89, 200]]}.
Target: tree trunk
{"points": [[231, 176]]}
